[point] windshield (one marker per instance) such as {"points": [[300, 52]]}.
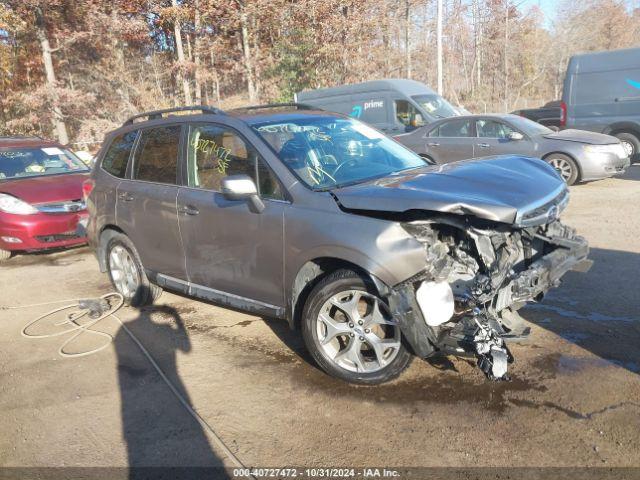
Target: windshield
{"points": [[435, 105], [29, 162], [529, 127], [326, 151]]}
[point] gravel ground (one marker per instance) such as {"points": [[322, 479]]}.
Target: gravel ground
{"points": [[574, 399]]}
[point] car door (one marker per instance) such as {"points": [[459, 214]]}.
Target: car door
{"points": [[146, 201], [494, 138], [450, 141], [229, 248]]}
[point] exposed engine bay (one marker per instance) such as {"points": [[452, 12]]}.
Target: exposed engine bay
{"points": [[465, 301]]}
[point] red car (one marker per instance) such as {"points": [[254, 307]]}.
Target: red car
{"points": [[41, 196]]}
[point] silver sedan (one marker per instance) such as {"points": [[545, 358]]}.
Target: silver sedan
{"points": [[577, 155]]}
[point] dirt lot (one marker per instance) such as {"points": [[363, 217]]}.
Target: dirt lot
{"points": [[574, 399]]}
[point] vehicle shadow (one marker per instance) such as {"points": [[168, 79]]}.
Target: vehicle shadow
{"points": [[162, 439], [598, 310], [292, 339]]}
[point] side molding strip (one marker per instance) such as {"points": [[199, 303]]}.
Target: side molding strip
{"points": [[217, 296]]}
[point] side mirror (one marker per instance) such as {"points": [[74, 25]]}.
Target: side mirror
{"points": [[515, 136], [242, 187], [417, 120]]}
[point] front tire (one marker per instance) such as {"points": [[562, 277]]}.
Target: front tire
{"points": [[127, 274], [565, 166], [631, 144], [350, 333]]}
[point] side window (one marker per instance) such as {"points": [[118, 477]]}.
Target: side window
{"points": [[156, 158], [407, 114], [216, 152], [117, 157], [435, 132], [493, 129], [455, 129]]}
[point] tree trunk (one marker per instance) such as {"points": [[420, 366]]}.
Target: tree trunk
{"points": [[506, 59], [57, 120], [196, 53], [185, 81], [439, 46], [478, 42], [407, 37], [246, 51]]}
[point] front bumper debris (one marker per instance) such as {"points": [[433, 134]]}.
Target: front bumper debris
{"points": [[491, 274], [492, 353], [546, 272]]}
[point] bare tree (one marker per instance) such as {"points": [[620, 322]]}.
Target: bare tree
{"points": [[57, 119], [177, 29]]}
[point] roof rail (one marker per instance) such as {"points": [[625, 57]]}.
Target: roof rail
{"points": [[299, 106], [155, 114]]}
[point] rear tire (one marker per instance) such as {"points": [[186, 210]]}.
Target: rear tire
{"points": [[565, 166], [5, 255], [127, 273], [349, 332], [631, 144]]}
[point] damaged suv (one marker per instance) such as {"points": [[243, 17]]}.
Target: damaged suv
{"points": [[317, 218]]}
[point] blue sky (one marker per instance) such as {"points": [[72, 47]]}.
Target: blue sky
{"points": [[548, 7]]}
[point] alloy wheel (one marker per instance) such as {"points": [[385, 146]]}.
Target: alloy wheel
{"points": [[628, 147], [123, 271], [563, 167], [356, 331]]}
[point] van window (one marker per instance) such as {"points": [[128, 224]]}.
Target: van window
{"points": [[117, 157], [156, 157], [435, 105], [215, 152], [407, 114]]}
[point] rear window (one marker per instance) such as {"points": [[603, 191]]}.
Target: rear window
{"points": [[117, 157], [156, 157], [37, 162]]}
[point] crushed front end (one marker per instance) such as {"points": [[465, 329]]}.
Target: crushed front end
{"points": [[477, 275]]}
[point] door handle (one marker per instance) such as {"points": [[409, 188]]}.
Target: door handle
{"points": [[484, 145], [125, 196], [433, 144], [189, 210]]}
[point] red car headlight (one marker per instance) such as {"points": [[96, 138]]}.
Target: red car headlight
{"points": [[11, 204]]}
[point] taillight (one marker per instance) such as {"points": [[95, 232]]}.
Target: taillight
{"points": [[87, 188], [563, 114]]}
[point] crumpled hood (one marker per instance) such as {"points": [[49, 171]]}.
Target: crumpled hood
{"points": [[582, 136], [492, 188], [46, 188]]}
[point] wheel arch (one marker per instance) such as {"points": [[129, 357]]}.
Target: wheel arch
{"points": [[314, 270], [623, 127], [106, 234], [572, 157]]}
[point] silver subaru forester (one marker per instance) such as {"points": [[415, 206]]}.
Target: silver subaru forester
{"points": [[288, 212]]}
